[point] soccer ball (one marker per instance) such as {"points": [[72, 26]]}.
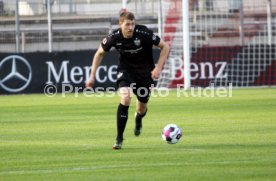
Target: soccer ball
{"points": [[171, 133]]}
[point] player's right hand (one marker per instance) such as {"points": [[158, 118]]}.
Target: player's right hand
{"points": [[90, 83]]}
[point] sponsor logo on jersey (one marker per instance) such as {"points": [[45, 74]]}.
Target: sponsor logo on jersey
{"points": [[104, 41]]}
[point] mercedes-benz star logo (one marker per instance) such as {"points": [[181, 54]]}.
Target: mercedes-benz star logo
{"points": [[16, 68]]}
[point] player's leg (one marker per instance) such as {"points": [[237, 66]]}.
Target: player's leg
{"points": [[125, 93], [141, 111], [122, 115], [142, 93], [122, 112]]}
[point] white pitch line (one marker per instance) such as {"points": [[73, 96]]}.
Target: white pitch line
{"points": [[59, 170]]}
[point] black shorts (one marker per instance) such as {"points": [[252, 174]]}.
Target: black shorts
{"points": [[141, 84]]}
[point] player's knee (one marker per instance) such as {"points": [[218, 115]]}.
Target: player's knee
{"points": [[125, 100], [125, 94], [141, 108]]}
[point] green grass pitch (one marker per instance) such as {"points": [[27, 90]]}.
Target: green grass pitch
{"points": [[71, 138]]}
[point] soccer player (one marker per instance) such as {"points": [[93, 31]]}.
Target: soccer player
{"points": [[136, 69]]}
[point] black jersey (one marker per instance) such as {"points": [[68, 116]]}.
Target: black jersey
{"points": [[136, 52]]}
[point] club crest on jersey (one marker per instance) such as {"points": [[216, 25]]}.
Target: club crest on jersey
{"points": [[137, 42]]}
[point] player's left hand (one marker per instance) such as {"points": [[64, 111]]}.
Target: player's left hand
{"points": [[155, 74]]}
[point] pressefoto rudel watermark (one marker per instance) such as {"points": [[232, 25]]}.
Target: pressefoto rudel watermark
{"points": [[210, 91], [51, 90]]}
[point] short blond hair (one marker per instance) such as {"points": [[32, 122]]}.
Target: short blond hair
{"points": [[126, 15]]}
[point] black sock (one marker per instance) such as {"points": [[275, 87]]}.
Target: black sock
{"points": [[122, 115], [138, 119]]}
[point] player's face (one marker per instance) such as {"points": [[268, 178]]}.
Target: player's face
{"points": [[127, 27]]}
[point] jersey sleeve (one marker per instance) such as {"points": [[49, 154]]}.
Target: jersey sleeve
{"points": [[107, 43], [155, 39]]}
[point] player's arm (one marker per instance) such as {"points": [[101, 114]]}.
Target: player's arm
{"points": [[162, 59], [97, 59]]}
